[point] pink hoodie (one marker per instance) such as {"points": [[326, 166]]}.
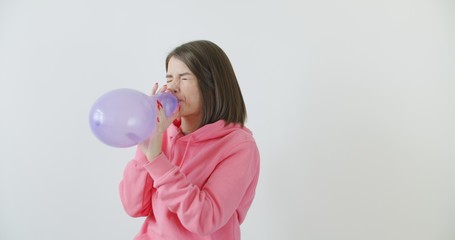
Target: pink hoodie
{"points": [[200, 187]]}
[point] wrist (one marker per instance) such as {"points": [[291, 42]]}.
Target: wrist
{"points": [[154, 148], [151, 157]]}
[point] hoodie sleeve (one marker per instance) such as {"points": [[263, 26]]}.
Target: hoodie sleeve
{"points": [[205, 210], [136, 187]]}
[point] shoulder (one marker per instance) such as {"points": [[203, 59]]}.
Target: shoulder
{"points": [[239, 140], [242, 135]]}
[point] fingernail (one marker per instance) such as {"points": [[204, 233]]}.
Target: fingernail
{"points": [[157, 119], [160, 106]]}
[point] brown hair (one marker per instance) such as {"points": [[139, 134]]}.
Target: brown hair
{"points": [[220, 91]]}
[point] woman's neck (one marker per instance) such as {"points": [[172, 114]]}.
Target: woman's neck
{"points": [[189, 125]]}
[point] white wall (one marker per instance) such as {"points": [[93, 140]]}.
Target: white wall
{"points": [[352, 104]]}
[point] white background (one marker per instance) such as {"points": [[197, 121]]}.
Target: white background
{"points": [[352, 104]]}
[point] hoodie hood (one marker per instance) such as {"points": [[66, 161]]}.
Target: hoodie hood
{"points": [[210, 131], [205, 134]]}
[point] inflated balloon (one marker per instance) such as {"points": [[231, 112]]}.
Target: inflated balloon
{"points": [[126, 117]]}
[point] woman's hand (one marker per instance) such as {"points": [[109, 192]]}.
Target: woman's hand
{"points": [[152, 147]]}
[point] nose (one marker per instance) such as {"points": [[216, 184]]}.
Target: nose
{"points": [[173, 86]]}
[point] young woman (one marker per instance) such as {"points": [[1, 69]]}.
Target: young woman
{"points": [[196, 177]]}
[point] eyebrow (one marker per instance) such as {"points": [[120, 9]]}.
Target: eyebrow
{"points": [[180, 75]]}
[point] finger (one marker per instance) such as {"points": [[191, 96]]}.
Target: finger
{"points": [[154, 88], [161, 120], [159, 107], [163, 88]]}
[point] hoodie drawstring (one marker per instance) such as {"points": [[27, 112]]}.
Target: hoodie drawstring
{"points": [[186, 149]]}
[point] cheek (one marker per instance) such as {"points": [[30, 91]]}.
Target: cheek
{"points": [[198, 97], [196, 100], [194, 94]]}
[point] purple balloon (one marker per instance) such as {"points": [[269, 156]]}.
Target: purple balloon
{"points": [[126, 117]]}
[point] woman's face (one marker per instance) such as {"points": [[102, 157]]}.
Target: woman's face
{"points": [[183, 83]]}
